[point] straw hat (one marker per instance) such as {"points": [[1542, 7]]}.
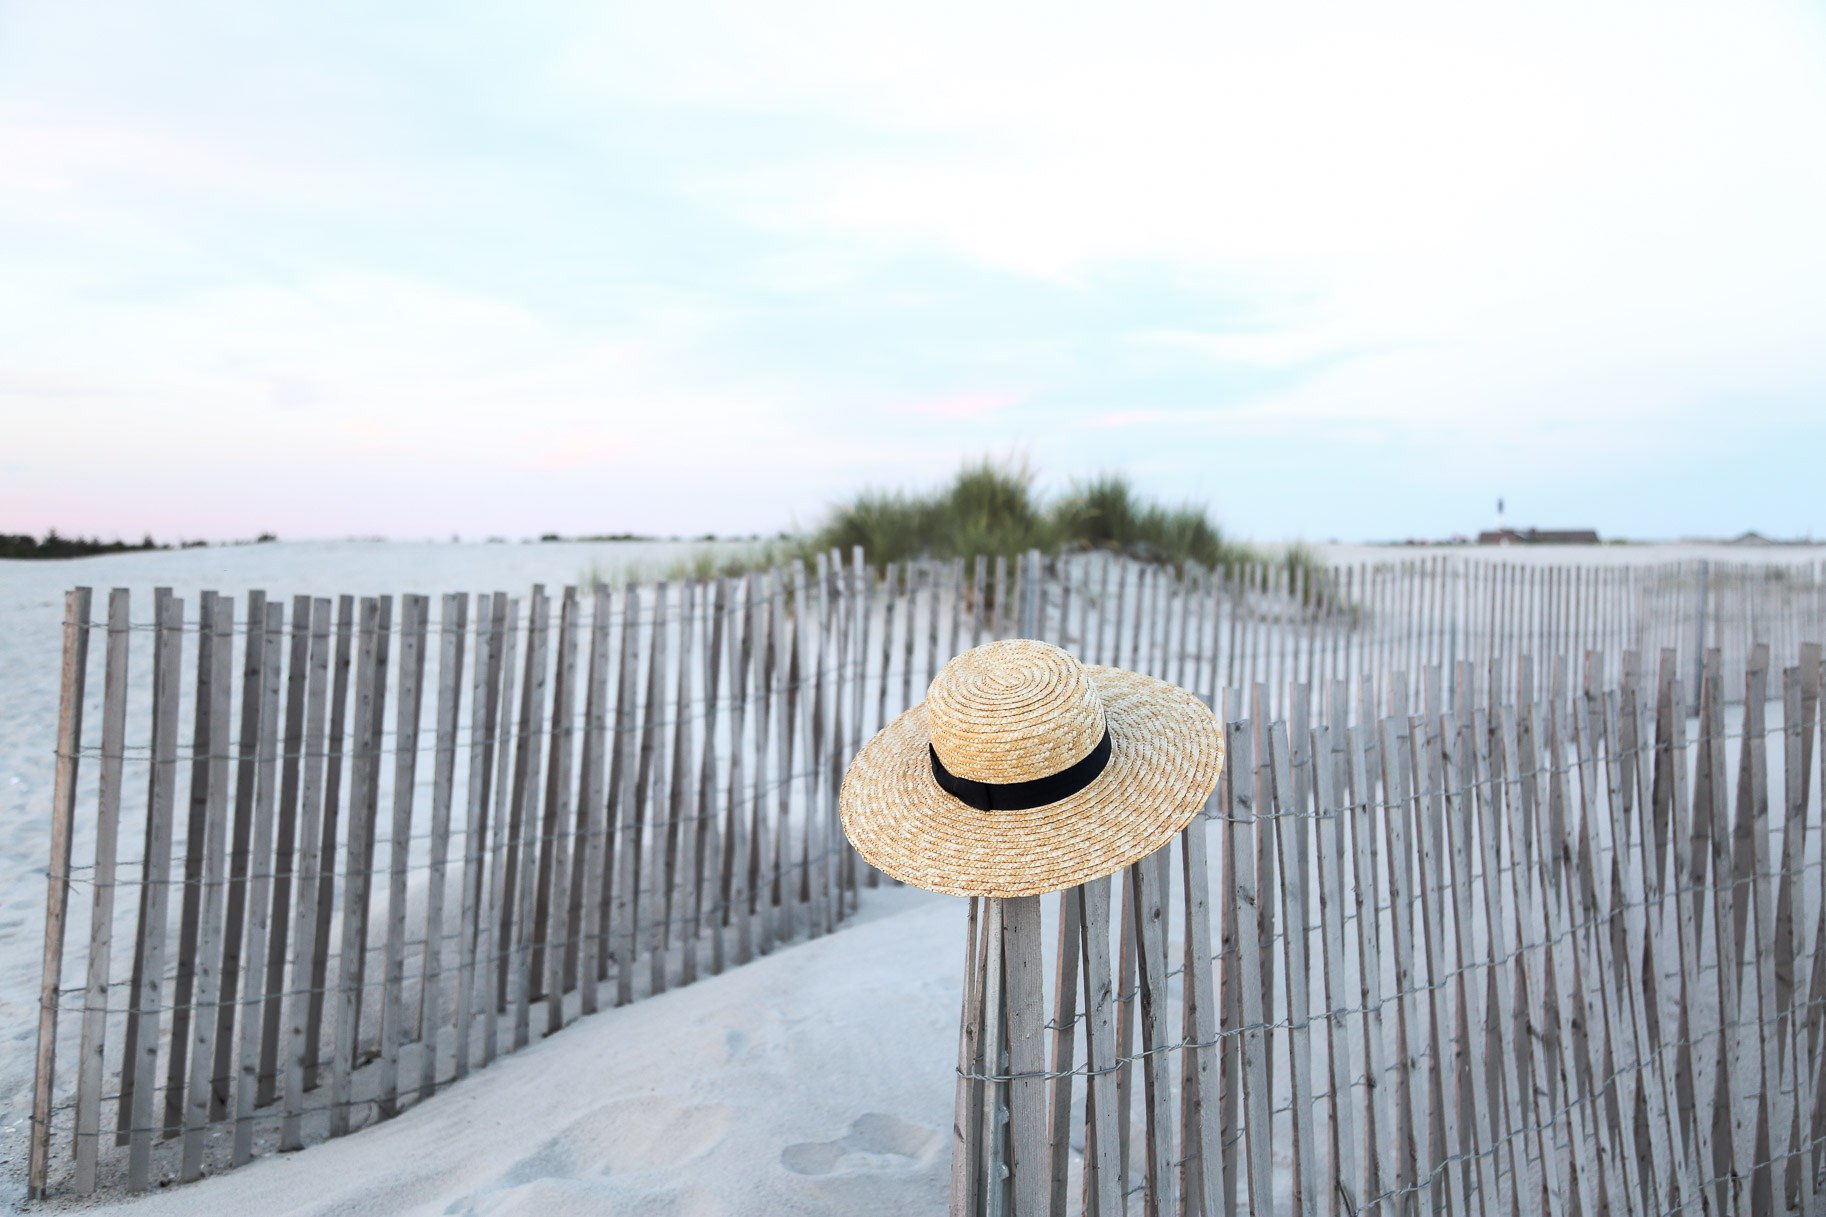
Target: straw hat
{"points": [[1024, 771]]}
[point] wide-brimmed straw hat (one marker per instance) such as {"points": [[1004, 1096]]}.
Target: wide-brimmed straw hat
{"points": [[1025, 771]]}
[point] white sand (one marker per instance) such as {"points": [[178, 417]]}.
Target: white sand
{"points": [[815, 1081]]}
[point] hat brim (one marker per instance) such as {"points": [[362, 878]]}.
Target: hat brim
{"points": [[1166, 751]]}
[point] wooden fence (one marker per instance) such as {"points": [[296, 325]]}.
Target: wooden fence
{"points": [[1528, 950], [395, 849]]}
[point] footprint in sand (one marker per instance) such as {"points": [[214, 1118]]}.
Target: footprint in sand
{"points": [[875, 1142]]}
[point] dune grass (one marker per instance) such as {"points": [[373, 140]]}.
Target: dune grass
{"points": [[991, 508]]}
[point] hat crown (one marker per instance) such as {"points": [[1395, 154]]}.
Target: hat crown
{"points": [[1013, 711]]}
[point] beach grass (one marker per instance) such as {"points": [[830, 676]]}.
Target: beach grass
{"points": [[992, 508]]}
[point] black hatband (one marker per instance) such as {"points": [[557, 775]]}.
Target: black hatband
{"points": [[1017, 796]]}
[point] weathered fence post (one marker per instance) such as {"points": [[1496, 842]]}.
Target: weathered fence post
{"points": [[63, 823]]}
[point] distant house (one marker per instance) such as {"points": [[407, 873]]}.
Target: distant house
{"points": [[1751, 538], [1539, 536]]}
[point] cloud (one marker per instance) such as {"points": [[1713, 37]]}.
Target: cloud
{"points": [[965, 405], [582, 451], [625, 250], [1128, 418]]}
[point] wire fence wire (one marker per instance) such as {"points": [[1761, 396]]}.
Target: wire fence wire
{"points": [[314, 858]]}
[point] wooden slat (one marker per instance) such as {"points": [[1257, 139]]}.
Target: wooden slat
{"points": [[617, 863], [954, 639], [1206, 1183], [1770, 1144], [677, 923], [1813, 674], [357, 877], [762, 845], [1658, 926], [1410, 1102], [789, 674], [1249, 786], [979, 606], [1229, 971], [260, 902], [246, 757], [966, 1122], [665, 808], [1478, 1137], [738, 844], [1732, 1135], [708, 902], [101, 908], [331, 793], [1266, 882], [933, 583], [1637, 970], [1030, 1162], [495, 947], [285, 852], [911, 578], [1506, 926], [1563, 977], [377, 730], [864, 576], [996, 1154], [517, 752], [1127, 995], [208, 976], [1673, 807], [657, 807], [484, 703], [1800, 1184], [1328, 783], [140, 1064], [299, 1054], [859, 583], [552, 898], [1428, 786], [1103, 1182], [1064, 1027], [624, 831], [453, 629], [1610, 1036], [584, 942], [1286, 812], [520, 932], [840, 859], [999, 627], [812, 875], [415, 624], [890, 601], [1152, 901], [1100, 652], [191, 896]]}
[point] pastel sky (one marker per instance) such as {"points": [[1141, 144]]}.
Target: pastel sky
{"points": [[1334, 270]]}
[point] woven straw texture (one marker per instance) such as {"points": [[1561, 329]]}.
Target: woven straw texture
{"points": [[1014, 711]]}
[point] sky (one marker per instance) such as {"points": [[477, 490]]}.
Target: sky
{"points": [[1332, 271]]}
